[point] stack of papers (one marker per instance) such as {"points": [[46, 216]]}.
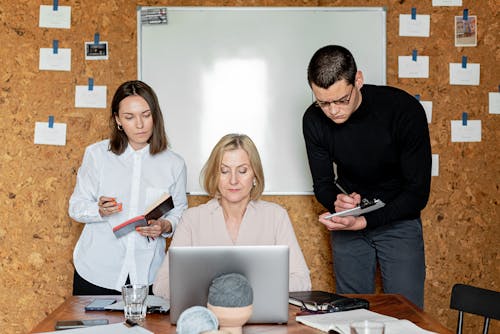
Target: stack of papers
{"points": [[119, 328], [339, 321]]}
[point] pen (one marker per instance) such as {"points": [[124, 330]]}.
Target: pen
{"points": [[341, 189]]}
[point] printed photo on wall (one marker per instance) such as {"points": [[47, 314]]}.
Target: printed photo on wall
{"points": [[97, 51], [465, 31]]}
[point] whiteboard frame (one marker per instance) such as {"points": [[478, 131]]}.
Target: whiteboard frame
{"points": [[383, 69]]}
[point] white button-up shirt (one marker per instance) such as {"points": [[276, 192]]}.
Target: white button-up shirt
{"points": [[136, 179]]}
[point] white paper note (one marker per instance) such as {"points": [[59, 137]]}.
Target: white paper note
{"points": [[50, 136], [60, 61], [408, 68], [494, 102], [420, 27], [447, 2], [85, 98], [428, 110], [50, 18], [466, 133], [119, 328], [435, 165], [464, 76]]}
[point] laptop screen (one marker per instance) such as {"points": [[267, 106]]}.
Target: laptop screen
{"points": [[266, 268]]}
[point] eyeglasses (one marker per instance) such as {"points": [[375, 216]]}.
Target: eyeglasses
{"points": [[341, 102], [342, 304]]}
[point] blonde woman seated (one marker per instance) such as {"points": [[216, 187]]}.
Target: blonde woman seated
{"points": [[234, 179]]}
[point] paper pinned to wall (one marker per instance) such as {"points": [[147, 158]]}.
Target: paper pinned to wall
{"points": [[46, 135], [86, 98], [494, 102], [409, 68], [471, 132], [418, 27], [464, 76], [50, 18], [50, 61]]}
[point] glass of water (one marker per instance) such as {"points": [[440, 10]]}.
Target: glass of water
{"points": [[134, 298]]}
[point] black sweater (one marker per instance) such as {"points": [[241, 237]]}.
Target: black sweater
{"points": [[382, 151]]}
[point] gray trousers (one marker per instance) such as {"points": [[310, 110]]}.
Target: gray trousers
{"points": [[397, 247]]}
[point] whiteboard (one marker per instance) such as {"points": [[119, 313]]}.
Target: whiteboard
{"points": [[219, 70]]}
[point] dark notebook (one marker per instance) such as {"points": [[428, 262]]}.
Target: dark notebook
{"points": [[310, 300], [158, 209]]}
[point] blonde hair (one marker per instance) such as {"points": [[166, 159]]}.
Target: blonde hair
{"points": [[210, 174]]}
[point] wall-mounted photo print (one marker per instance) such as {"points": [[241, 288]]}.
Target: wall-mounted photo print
{"points": [[465, 31], [97, 51]]}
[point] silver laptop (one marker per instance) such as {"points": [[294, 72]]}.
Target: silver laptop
{"points": [[266, 268]]}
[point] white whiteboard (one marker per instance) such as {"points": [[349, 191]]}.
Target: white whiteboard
{"points": [[219, 70]]}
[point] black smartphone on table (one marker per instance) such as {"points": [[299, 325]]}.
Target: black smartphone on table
{"points": [[99, 304], [69, 324]]}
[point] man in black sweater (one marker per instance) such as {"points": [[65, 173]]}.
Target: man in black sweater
{"points": [[369, 142]]}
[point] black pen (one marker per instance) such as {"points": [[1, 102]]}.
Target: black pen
{"points": [[341, 189], [364, 202]]}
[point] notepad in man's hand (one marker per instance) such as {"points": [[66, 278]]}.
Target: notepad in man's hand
{"points": [[163, 205], [359, 210]]}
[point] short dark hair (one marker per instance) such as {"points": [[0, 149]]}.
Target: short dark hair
{"points": [[330, 64], [210, 174], [118, 140]]}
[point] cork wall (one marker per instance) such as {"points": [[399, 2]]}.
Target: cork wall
{"points": [[37, 237]]}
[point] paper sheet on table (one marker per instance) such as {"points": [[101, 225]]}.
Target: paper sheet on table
{"points": [[119, 328], [151, 301], [340, 321]]}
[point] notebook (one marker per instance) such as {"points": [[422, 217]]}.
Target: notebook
{"points": [[266, 268]]}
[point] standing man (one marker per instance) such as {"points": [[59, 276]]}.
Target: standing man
{"points": [[366, 141]]}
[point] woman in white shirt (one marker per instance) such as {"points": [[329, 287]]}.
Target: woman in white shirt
{"points": [[235, 215], [118, 179]]}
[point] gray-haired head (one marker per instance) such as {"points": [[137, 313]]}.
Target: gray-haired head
{"points": [[196, 319], [230, 290]]}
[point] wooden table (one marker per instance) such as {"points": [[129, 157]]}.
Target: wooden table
{"points": [[389, 304]]}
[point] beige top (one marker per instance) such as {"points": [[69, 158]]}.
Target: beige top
{"points": [[264, 223]]}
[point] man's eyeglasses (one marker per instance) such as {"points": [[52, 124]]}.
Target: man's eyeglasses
{"points": [[341, 102]]}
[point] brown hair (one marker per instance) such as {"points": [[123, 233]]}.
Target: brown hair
{"points": [[118, 140], [210, 173]]}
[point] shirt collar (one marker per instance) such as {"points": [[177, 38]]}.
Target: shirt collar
{"points": [[214, 205], [129, 151]]}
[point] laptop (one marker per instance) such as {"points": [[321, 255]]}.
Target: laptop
{"points": [[266, 268]]}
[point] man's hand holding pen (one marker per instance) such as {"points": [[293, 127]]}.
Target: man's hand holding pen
{"points": [[343, 202]]}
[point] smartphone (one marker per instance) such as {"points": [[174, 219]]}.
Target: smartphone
{"points": [[99, 304], [68, 324]]}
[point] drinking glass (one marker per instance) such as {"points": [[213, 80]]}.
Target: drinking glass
{"points": [[134, 299]]}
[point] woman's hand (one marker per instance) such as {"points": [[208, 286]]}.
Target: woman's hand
{"points": [[155, 228], [108, 206]]}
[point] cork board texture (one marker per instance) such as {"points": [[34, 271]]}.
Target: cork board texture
{"points": [[37, 237]]}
